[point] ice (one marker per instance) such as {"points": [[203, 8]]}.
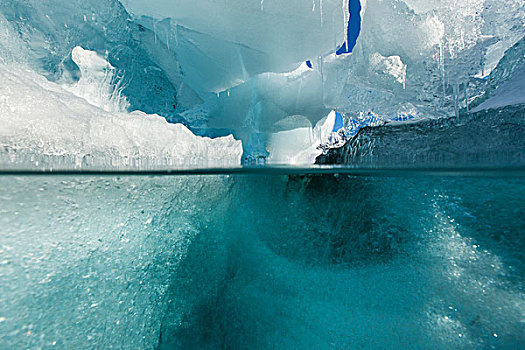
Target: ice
{"points": [[504, 86], [302, 146], [511, 92], [241, 66], [98, 83], [42, 120], [238, 38], [438, 46], [484, 138], [89, 262], [47, 32], [293, 147], [259, 262], [268, 98], [242, 262], [11, 48], [392, 65], [416, 55]]}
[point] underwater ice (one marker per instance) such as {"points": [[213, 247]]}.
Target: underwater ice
{"points": [[238, 262]]}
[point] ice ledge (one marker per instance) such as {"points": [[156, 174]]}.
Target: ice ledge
{"points": [[43, 121], [511, 92]]}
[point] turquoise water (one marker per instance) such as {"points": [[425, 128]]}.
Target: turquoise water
{"points": [[263, 259]]}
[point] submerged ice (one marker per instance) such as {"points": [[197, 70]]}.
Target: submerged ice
{"points": [[237, 262]]}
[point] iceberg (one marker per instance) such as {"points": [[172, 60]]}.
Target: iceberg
{"points": [[424, 56], [231, 41], [111, 111], [43, 34], [85, 124], [300, 146], [242, 67]]}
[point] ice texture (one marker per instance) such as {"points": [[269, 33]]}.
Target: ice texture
{"points": [[90, 263], [43, 34], [223, 43], [301, 146], [98, 83], [242, 67], [511, 92], [417, 58], [43, 123], [486, 138], [248, 262]]}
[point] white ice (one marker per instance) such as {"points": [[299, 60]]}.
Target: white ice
{"points": [[98, 83], [511, 92], [244, 60], [223, 43], [41, 119], [301, 146]]}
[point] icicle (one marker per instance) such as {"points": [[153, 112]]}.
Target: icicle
{"points": [[456, 99], [405, 77], [313, 6], [321, 11], [245, 74], [262, 5], [442, 66], [321, 70], [334, 31]]}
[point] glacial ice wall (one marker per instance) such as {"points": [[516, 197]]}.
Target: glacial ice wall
{"points": [[249, 67], [415, 59]]}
